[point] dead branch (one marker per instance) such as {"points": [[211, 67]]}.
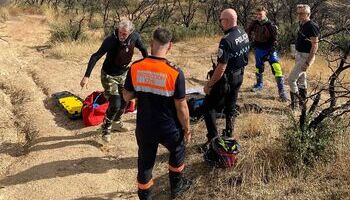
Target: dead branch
{"points": [[315, 103], [334, 32], [330, 112]]}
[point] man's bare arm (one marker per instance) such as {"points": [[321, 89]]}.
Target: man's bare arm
{"points": [[314, 48], [183, 116], [218, 72]]}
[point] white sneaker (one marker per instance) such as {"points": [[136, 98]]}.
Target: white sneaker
{"points": [[120, 127]]}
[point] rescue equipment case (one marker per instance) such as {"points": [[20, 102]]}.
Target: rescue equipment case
{"points": [[70, 103]]}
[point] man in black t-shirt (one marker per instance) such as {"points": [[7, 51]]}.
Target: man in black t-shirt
{"points": [[306, 47], [119, 47], [232, 58]]}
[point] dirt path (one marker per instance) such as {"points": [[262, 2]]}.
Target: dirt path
{"points": [[61, 158]]}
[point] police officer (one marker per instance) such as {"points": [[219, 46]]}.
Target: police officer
{"points": [[232, 58], [264, 34], [119, 47], [162, 116]]}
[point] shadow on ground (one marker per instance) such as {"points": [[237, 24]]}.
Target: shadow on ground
{"points": [[60, 118], [16, 149], [63, 168]]}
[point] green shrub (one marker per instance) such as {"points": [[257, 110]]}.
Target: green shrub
{"points": [[341, 39], [69, 31], [94, 24], [286, 37], [181, 33], [306, 148], [196, 30]]}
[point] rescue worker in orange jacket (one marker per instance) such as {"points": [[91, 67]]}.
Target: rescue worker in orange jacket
{"points": [[162, 116]]}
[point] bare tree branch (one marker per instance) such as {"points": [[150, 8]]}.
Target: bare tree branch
{"points": [[330, 112], [334, 32]]}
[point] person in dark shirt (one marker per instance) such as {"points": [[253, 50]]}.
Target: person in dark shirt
{"points": [[232, 58], [264, 34], [306, 47], [119, 47], [162, 116]]}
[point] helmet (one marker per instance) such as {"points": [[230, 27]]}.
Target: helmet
{"points": [[222, 152]]}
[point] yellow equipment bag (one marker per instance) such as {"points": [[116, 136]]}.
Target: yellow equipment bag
{"points": [[70, 103]]}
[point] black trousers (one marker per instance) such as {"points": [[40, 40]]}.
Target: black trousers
{"points": [[148, 145], [116, 105], [222, 100]]}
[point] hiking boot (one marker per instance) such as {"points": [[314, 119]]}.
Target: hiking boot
{"points": [[230, 125], [281, 92], [257, 88], [106, 137], [259, 83], [227, 133], [182, 187], [283, 97], [144, 194], [120, 126], [106, 130]]}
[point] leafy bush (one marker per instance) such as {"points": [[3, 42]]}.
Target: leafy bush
{"points": [[196, 30], [286, 37], [69, 31], [340, 42], [95, 24], [305, 148], [181, 33]]}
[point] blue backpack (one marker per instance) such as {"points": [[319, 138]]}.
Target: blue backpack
{"points": [[195, 103]]}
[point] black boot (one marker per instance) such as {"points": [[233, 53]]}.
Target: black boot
{"points": [[303, 95], [293, 100], [230, 124], [178, 184], [106, 129], [144, 194]]}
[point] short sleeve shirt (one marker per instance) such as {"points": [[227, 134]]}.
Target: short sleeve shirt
{"points": [[305, 32], [233, 49]]}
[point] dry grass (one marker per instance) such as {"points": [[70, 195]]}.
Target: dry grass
{"points": [[4, 14], [73, 51], [255, 125], [261, 172]]}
